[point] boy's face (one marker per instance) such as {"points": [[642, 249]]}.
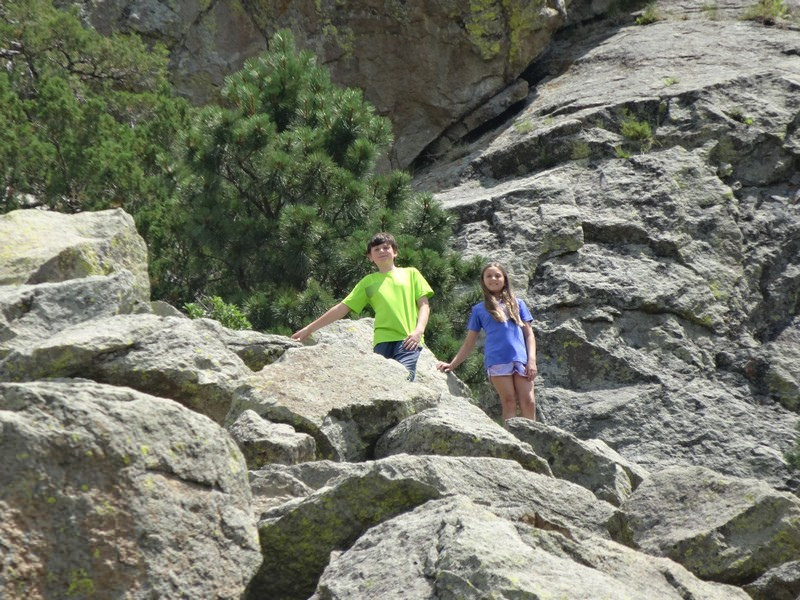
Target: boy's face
{"points": [[382, 255]]}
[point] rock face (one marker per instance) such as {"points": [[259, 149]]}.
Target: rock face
{"points": [[663, 271], [425, 64], [646, 203], [104, 490]]}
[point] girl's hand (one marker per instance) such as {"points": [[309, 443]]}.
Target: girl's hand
{"points": [[532, 371], [444, 367]]}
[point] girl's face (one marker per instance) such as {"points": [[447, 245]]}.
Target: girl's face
{"points": [[493, 280]]}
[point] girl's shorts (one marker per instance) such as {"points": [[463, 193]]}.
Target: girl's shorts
{"points": [[507, 369]]}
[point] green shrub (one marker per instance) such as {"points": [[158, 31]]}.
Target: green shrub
{"points": [[767, 12], [649, 15], [214, 307], [632, 129]]}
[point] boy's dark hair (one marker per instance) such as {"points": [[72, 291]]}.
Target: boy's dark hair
{"points": [[381, 238]]}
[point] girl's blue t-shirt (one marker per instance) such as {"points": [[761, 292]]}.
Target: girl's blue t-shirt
{"points": [[504, 341]]}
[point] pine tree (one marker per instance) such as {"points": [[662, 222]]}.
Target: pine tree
{"points": [[278, 196], [84, 119]]}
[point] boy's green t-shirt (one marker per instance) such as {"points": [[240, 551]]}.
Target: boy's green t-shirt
{"points": [[393, 296]]}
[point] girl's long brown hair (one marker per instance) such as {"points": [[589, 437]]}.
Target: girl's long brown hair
{"points": [[506, 297]]}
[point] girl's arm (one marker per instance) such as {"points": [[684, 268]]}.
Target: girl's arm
{"points": [[530, 345], [333, 314], [412, 340], [462, 354]]}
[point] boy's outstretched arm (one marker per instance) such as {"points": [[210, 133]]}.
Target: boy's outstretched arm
{"points": [[424, 312], [462, 354], [332, 314]]}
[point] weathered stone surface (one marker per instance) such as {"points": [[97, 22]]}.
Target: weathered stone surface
{"points": [[663, 272], [108, 491], [457, 428], [502, 486], [357, 334], [42, 246], [256, 349], [594, 465], [32, 313], [298, 537], [296, 545], [262, 442], [340, 392], [780, 583], [721, 528], [454, 548], [164, 356]]}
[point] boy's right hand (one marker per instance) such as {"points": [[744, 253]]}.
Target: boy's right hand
{"points": [[301, 334], [444, 367]]}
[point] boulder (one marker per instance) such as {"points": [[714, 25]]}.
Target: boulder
{"points": [[779, 583], [720, 528], [502, 486], [298, 537], [455, 548], [256, 349], [165, 356], [591, 463], [42, 246], [457, 428], [262, 442], [29, 314], [108, 491], [340, 392]]}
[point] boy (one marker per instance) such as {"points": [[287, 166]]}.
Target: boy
{"points": [[399, 297]]}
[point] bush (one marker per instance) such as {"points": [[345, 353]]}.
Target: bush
{"points": [[216, 308]]}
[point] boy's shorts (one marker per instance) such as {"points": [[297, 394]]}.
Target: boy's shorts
{"points": [[507, 369], [395, 351]]}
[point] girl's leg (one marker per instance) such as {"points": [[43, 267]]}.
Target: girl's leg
{"points": [[523, 389], [504, 384]]}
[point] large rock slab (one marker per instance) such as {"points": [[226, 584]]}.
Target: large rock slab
{"points": [[720, 528], [340, 392], [298, 536], [591, 463], [164, 356], [42, 246], [457, 428], [454, 548], [644, 201], [108, 491], [32, 313]]}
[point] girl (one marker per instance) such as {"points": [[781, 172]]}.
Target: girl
{"points": [[510, 348]]}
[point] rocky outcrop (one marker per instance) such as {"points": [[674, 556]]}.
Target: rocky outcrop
{"points": [[645, 201], [431, 553], [108, 491], [720, 528], [428, 65], [340, 392]]}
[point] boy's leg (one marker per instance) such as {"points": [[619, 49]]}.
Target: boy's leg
{"points": [[504, 384], [395, 351], [523, 388]]}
